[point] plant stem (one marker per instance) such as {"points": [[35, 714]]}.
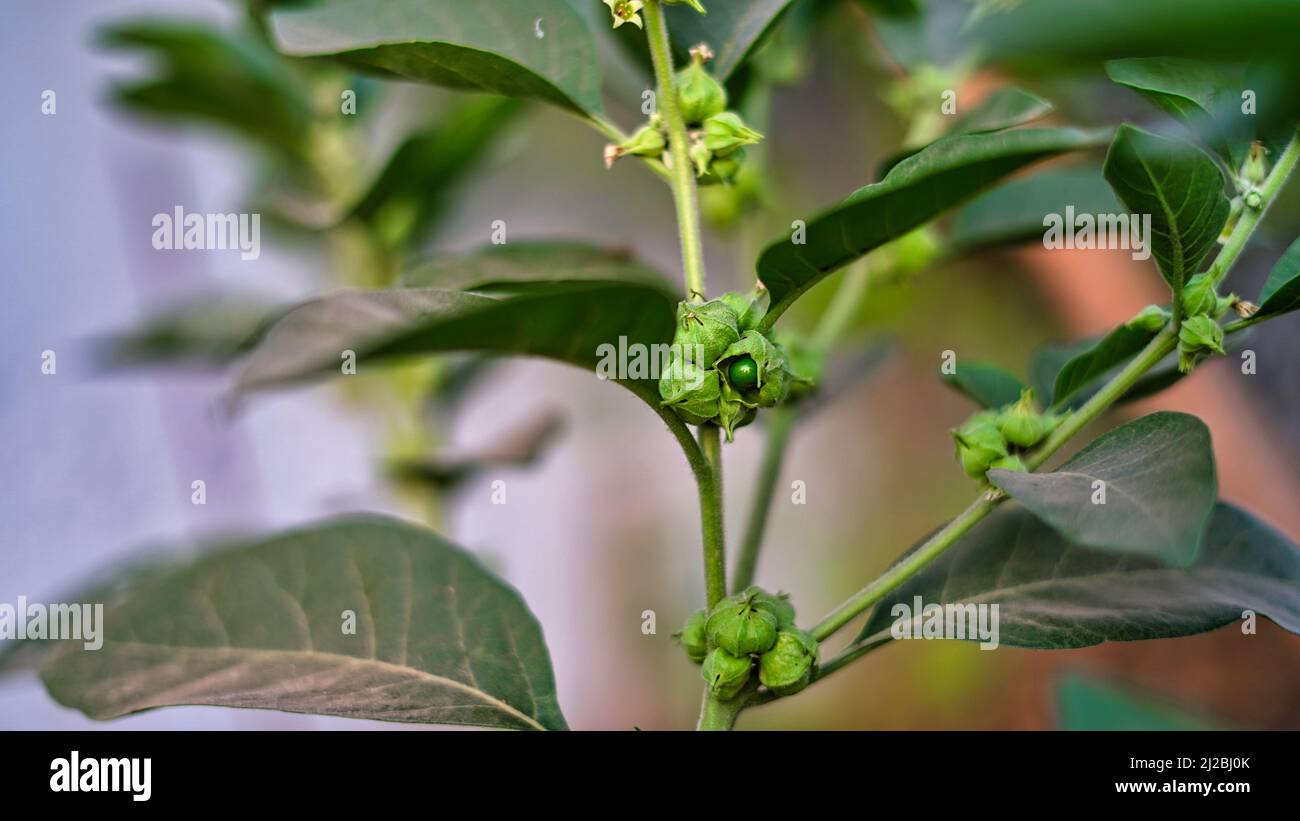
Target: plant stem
{"points": [[780, 423], [719, 715], [683, 173], [1250, 217], [715, 551]]}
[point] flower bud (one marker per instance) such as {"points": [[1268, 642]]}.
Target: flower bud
{"points": [[1151, 318], [778, 605], [711, 324], [725, 673], [1255, 169], [725, 132], [699, 94], [648, 141], [979, 443], [739, 626], [701, 158], [693, 637], [1199, 334], [1022, 424], [787, 667]]}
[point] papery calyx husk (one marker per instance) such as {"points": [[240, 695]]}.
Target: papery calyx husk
{"points": [[980, 443], [774, 375], [693, 638], [1198, 334], [726, 132], [692, 391], [1021, 424], [726, 673], [711, 324], [1200, 297], [738, 625], [787, 667], [777, 604], [750, 307], [699, 94], [1151, 319]]}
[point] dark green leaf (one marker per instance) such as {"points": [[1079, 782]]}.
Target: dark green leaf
{"points": [[988, 385], [438, 638], [1054, 595], [733, 29], [1159, 484], [1203, 97], [918, 189], [205, 75], [493, 48], [519, 447], [559, 301], [1281, 292], [927, 38], [1180, 187], [1014, 212], [1084, 704], [414, 188], [1086, 367]]}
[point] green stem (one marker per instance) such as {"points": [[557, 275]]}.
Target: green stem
{"points": [[1250, 217], [719, 715], [683, 173], [715, 551], [780, 423]]}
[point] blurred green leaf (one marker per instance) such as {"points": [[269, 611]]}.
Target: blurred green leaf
{"points": [[989, 386], [1180, 187], [1281, 292], [1014, 212], [940, 176], [1004, 108], [1085, 704], [1055, 595], [733, 29], [438, 639], [520, 447], [1159, 484], [494, 48], [1203, 97], [207, 331], [926, 38], [559, 301], [414, 189], [205, 75]]}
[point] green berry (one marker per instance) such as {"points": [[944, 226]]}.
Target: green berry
{"points": [[725, 673], [743, 373]]}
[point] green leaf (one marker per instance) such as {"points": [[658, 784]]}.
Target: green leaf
{"points": [[1203, 97], [1086, 704], [1111, 351], [1281, 292], [1055, 595], [916, 41], [733, 29], [917, 190], [1014, 212], [1180, 187], [414, 188], [492, 48], [204, 75], [518, 447], [1159, 484], [988, 385], [205, 331], [1005, 107], [559, 301], [438, 638]]}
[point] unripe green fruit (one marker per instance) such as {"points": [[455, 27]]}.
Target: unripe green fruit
{"points": [[725, 673], [691, 390], [979, 443], [726, 132], [1152, 318], [693, 637], [740, 627], [711, 325], [1198, 334], [1012, 463], [1022, 424], [1199, 296], [699, 94], [787, 667], [743, 372]]}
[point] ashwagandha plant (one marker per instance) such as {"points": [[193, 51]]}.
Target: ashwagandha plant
{"points": [[372, 617]]}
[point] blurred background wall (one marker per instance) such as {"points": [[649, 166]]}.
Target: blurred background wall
{"points": [[98, 466]]}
